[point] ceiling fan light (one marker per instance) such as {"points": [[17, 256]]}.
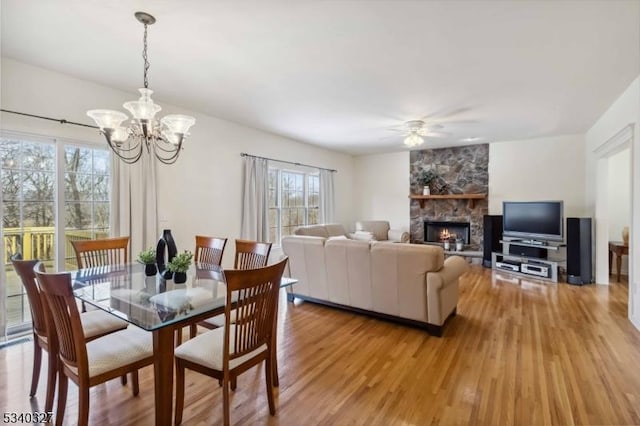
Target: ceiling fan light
{"points": [[413, 140]]}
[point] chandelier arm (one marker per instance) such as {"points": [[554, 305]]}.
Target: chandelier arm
{"points": [[167, 160], [118, 151], [159, 150]]}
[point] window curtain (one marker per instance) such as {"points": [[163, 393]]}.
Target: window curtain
{"points": [[134, 201], [327, 197], [255, 202], [3, 290]]}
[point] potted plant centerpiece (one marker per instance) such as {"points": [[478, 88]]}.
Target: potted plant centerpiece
{"points": [[148, 258], [179, 265]]}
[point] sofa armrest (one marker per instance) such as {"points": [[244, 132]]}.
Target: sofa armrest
{"points": [[442, 289], [398, 235]]}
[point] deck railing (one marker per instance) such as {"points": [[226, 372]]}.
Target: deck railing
{"points": [[39, 242], [35, 243]]}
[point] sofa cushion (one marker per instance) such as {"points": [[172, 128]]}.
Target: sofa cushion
{"points": [[379, 228], [322, 230], [312, 231]]}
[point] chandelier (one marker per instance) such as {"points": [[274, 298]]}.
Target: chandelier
{"points": [[164, 137]]}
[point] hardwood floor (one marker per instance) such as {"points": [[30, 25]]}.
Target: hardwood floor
{"points": [[519, 352]]}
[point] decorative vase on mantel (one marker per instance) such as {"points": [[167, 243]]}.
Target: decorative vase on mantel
{"points": [[426, 190], [166, 247]]}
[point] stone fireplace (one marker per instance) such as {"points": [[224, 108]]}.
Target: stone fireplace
{"points": [[463, 170], [438, 232]]}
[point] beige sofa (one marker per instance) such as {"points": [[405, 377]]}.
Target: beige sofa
{"points": [[409, 283], [367, 230]]}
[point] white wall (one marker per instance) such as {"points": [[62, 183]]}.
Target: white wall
{"points": [[381, 188], [201, 193], [538, 169], [618, 197], [623, 113]]}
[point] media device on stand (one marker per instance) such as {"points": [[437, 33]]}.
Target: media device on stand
{"points": [[530, 230]]}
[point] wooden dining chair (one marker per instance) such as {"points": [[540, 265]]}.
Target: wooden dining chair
{"points": [[228, 351], [88, 363], [209, 250], [108, 251], [249, 255], [95, 324]]}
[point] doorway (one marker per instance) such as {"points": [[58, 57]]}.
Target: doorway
{"points": [[618, 148]]}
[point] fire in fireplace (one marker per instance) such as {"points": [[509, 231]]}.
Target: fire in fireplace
{"points": [[437, 232]]}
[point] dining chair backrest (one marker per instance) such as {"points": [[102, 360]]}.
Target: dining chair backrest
{"points": [[251, 254], [24, 269], [255, 293], [56, 288], [108, 251], [209, 249]]}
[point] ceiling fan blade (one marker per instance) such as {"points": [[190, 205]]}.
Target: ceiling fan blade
{"points": [[438, 134]]}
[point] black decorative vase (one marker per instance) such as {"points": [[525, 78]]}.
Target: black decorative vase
{"points": [[150, 269], [166, 247], [179, 277]]}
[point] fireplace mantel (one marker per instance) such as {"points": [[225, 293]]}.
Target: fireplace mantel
{"points": [[471, 197]]}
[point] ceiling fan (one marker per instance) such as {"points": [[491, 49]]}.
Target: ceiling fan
{"points": [[416, 130]]}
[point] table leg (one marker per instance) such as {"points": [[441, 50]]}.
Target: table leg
{"points": [[610, 262], [163, 374], [618, 264]]}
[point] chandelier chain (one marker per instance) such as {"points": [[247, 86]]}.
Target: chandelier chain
{"points": [[146, 58]]}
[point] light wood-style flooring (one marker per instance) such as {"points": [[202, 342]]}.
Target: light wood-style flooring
{"points": [[519, 352]]}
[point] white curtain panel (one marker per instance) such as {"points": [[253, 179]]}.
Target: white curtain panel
{"points": [[327, 197], [3, 291], [134, 201], [255, 202]]}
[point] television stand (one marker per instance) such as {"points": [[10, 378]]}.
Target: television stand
{"points": [[530, 243], [530, 267], [535, 242], [527, 266]]}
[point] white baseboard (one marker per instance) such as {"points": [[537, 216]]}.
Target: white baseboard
{"points": [[636, 321]]}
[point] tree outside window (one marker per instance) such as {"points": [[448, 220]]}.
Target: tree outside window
{"points": [[294, 200]]}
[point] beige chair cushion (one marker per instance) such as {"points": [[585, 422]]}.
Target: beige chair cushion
{"points": [[96, 323], [206, 349], [118, 349]]}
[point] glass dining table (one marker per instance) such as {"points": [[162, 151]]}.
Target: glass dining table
{"points": [[159, 306]]}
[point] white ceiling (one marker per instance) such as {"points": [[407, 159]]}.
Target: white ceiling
{"points": [[341, 73]]}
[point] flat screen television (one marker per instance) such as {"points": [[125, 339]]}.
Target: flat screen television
{"points": [[533, 220]]}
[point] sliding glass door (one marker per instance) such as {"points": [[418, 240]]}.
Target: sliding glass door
{"points": [[48, 185]]}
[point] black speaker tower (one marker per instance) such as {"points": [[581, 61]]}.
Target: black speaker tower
{"points": [[492, 233], [579, 257]]}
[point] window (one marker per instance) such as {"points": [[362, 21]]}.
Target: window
{"points": [[86, 182], [31, 213], [294, 200]]}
